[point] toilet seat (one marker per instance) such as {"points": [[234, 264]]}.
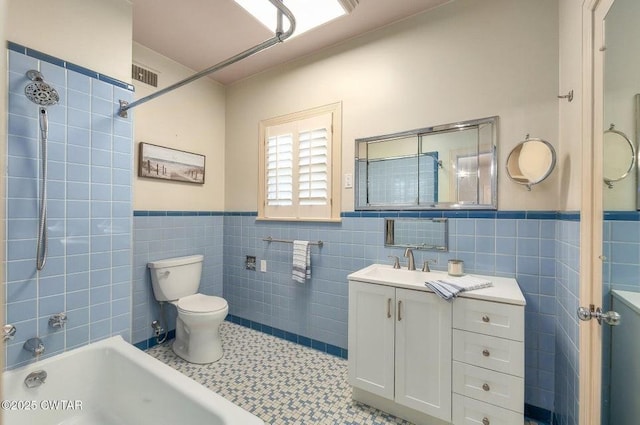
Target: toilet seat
{"points": [[201, 304]]}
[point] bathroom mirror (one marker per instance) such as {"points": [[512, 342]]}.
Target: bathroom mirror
{"points": [[619, 156], [531, 161], [431, 234], [451, 166]]}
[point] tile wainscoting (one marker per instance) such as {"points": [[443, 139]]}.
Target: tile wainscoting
{"points": [[540, 249]]}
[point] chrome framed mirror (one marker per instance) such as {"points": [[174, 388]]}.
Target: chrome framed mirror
{"points": [[449, 166], [531, 161], [619, 156]]}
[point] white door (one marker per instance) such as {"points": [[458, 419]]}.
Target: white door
{"points": [[371, 337], [423, 353], [609, 382]]}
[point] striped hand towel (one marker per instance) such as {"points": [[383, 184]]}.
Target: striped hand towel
{"points": [[451, 287], [301, 261]]}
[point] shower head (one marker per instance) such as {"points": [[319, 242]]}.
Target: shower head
{"points": [[40, 92]]}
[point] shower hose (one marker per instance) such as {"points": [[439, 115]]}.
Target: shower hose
{"points": [[41, 254]]}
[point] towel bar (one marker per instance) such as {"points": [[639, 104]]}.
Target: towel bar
{"points": [[270, 239]]}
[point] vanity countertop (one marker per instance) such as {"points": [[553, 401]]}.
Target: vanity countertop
{"points": [[631, 299], [504, 290]]}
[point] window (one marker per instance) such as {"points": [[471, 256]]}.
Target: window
{"points": [[300, 166]]}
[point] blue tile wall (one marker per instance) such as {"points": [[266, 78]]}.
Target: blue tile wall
{"points": [[566, 323], [88, 272], [160, 235], [514, 244]]}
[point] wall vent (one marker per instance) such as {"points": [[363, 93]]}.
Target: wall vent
{"points": [[144, 75]]}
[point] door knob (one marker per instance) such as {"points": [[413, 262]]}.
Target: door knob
{"points": [[612, 318]]}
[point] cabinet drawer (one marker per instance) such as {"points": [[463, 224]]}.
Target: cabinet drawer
{"points": [[489, 386], [489, 318], [467, 411], [499, 354]]}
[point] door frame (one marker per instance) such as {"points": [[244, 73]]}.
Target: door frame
{"points": [[591, 221]]}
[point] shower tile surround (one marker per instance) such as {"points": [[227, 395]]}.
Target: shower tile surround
{"points": [[88, 270]]}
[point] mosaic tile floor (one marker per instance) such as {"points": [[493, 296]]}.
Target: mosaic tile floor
{"points": [[279, 381]]}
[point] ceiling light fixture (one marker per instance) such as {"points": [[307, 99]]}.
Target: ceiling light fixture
{"points": [[308, 14]]}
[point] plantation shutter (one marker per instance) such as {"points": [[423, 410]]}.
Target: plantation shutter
{"points": [[298, 169], [280, 170], [313, 165]]}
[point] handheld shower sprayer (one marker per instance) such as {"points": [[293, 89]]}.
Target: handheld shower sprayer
{"points": [[44, 124], [43, 95]]}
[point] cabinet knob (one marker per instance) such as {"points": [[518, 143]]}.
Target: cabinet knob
{"points": [[486, 353], [485, 421], [485, 319], [486, 387]]}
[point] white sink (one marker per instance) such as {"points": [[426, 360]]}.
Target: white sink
{"points": [[386, 275]]}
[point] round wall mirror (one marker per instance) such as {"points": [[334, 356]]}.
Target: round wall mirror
{"points": [[619, 156], [531, 161]]}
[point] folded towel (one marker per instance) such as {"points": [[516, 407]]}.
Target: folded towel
{"points": [[301, 261], [451, 287]]}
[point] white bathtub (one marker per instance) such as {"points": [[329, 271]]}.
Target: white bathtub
{"points": [[112, 382]]}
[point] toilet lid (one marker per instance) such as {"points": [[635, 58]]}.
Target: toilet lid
{"points": [[200, 303]]}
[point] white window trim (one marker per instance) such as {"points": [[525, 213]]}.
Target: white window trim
{"points": [[335, 110]]}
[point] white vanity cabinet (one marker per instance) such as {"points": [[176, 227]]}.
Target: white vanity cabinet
{"points": [[400, 346], [435, 362]]}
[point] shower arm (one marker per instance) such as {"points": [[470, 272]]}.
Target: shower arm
{"points": [[277, 38]]}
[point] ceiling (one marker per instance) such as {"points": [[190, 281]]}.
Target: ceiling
{"points": [[202, 33]]}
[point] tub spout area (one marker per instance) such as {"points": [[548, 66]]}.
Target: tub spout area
{"points": [[35, 379]]}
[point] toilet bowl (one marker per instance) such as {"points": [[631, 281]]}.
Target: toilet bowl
{"points": [[176, 280]]}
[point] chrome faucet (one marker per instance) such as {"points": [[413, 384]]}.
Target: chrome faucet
{"points": [[35, 346], [409, 254]]}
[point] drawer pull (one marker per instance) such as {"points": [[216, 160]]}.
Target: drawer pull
{"points": [[486, 387], [486, 353], [388, 308], [485, 421], [399, 311], [485, 319]]}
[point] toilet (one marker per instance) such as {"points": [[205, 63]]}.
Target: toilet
{"points": [[176, 280]]}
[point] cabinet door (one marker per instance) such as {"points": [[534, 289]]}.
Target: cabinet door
{"points": [[423, 353], [371, 337]]}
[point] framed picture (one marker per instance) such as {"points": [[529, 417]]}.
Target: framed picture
{"points": [[158, 162]]}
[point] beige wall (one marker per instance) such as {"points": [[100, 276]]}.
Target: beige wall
{"points": [[95, 34], [570, 113], [464, 60], [191, 118]]}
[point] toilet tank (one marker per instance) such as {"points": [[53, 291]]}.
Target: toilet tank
{"points": [[175, 278]]}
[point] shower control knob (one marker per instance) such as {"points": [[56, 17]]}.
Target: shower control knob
{"points": [[9, 332]]}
